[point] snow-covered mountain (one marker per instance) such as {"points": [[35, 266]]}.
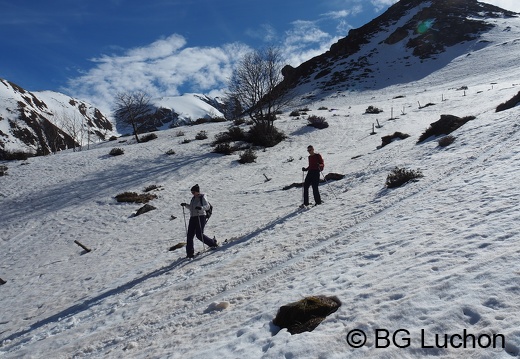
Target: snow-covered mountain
{"points": [[428, 269], [412, 39], [189, 108], [46, 122]]}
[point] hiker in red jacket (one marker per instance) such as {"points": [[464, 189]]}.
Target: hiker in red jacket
{"points": [[316, 165]]}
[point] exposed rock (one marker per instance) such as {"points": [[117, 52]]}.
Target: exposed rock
{"points": [[144, 209], [306, 314]]}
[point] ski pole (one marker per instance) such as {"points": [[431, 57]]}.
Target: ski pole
{"points": [[184, 215], [303, 187], [328, 185]]}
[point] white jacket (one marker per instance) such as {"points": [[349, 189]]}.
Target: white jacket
{"points": [[198, 201]]}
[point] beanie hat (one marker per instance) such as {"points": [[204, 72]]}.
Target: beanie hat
{"points": [[195, 188]]}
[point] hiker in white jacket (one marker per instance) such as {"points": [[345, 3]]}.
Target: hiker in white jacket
{"points": [[198, 207]]}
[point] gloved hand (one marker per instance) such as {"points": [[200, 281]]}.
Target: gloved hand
{"points": [[198, 207], [184, 204], [304, 169]]}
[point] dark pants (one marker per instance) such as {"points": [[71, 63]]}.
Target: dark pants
{"points": [[312, 179], [196, 228]]}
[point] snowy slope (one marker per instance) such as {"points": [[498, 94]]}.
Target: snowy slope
{"points": [[189, 107], [432, 258]]}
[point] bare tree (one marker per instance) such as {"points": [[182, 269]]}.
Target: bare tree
{"points": [[133, 109], [255, 85], [72, 126]]}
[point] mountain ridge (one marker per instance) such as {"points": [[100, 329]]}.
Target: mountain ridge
{"points": [[414, 31], [43, 122], [46, 122]]}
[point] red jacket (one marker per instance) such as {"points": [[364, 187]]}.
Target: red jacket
{"points": [[316, 162]]}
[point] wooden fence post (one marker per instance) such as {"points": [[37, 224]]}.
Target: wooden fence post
{"points": [[82, 246]]}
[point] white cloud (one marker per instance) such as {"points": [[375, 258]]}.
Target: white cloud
{"points": [[162, 68], [305, 32], [159, 48], [304, 41], [337, 14]]}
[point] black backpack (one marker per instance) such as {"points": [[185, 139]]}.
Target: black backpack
{"points": [[209, 212]]}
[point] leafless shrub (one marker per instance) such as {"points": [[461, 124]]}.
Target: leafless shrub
{"points": [[116, 151], [202, 135], [248, 156], [148, 137], [224, 148], [317, 122], [400, 176], [15, 155], [373, 110]]}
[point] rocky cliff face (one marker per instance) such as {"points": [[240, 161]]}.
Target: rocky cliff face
{"points": [[40, 123], [392, 47]]}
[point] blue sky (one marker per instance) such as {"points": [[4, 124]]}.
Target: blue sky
{"points": [[92, 49]]}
